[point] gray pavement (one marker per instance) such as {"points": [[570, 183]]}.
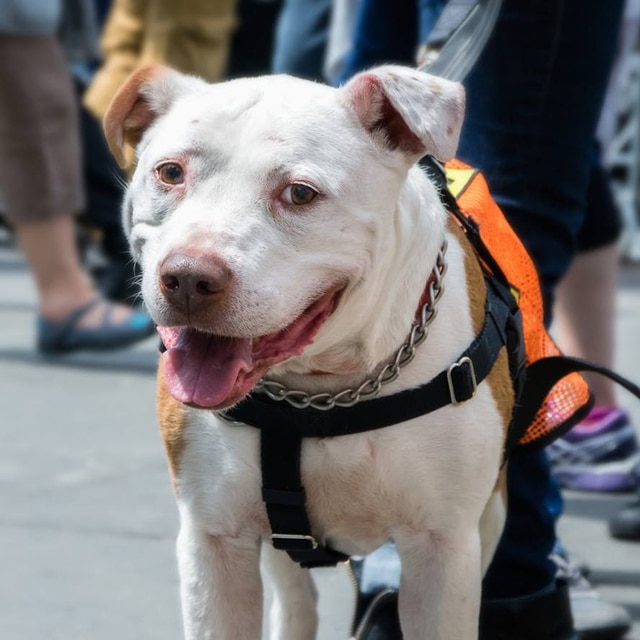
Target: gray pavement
{"points": [[87, 519]]}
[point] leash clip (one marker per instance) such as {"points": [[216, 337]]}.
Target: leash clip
{"points": [[223, 416], [455, 401]]}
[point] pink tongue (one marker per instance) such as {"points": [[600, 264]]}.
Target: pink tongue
{"points": [[200, 368]]}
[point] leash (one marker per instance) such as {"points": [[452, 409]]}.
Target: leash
{"points": [[457, 39]]}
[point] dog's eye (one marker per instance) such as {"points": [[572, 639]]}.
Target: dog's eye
{"points": [[299, 193], [170, 173]]}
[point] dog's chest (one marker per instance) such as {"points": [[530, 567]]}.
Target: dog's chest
{"points": [[358, 487]]}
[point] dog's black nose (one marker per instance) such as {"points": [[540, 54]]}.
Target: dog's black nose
{"points": [[191, 281]]}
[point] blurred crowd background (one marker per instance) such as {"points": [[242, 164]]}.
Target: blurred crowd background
{"points": [[62, 61], [103, 41]]}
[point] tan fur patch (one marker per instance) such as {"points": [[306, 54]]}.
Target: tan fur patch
{"points": [[499, 379], [129, 113], [172, 420]]}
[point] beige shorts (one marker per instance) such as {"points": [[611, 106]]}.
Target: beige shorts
{"points": [[40, 149]]}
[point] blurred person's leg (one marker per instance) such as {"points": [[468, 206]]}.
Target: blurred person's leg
{"points": [[385, 31], [253, 41], [41, 168], [117, 278], [50, 249], [533, 103], [601, 453], [584, 312], [625, 525], [302, 31], [40, 172]]}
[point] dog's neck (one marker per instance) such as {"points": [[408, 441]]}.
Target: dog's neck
{"points": [[375, 322]]}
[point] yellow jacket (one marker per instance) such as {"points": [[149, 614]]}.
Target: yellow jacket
{"points": [[192, 36]]}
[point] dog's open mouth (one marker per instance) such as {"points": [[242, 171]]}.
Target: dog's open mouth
{"points": [[214, 372]]}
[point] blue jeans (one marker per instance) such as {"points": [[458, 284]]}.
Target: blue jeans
{"points": [[533, 101], [301, 38]]}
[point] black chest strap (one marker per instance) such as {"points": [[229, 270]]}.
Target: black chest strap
{"points": [[285, 500]]}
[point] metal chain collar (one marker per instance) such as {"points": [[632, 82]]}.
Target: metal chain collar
{"points": [[390, 372]]}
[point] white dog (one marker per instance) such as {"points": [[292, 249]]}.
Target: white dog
{"points": [[285, 232]]}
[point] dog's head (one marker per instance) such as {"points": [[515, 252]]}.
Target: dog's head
{"points": [[258, 207]]}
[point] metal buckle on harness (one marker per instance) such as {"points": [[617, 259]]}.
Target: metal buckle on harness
{"points": [[226, 418], [474, 382], [294, 536]]}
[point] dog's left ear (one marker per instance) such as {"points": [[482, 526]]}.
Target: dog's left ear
{"points": [[146, 94], [408, 110]]}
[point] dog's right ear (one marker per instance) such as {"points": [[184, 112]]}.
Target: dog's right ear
{"points": [[146, 94]]}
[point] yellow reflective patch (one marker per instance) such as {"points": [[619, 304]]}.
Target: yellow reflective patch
{"points": [[459, 179]]}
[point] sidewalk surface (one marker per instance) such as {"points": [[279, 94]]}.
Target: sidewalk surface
{"points": [[88, 522]]}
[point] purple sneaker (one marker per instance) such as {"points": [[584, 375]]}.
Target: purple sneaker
{"points": [[600, 453]]}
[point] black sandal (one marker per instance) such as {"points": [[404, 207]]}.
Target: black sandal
{"points": [[64, 336]]}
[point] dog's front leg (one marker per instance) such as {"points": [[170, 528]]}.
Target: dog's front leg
{"points": [[293, 614], [440, 586], [220, 586]]}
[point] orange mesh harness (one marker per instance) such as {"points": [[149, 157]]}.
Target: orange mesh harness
{"points": [[570, 395], [552, 395]]}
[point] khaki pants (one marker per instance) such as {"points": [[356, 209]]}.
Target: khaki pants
{"points": [[40, 149]]}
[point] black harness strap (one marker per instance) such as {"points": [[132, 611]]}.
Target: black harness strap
{"points": [[472, 230], [284, 496]]}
